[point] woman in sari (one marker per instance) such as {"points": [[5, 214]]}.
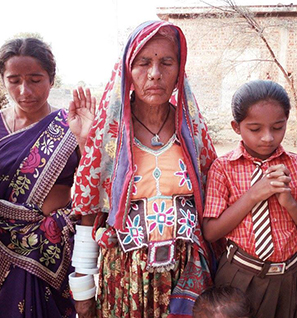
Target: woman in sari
{"points": [[38, 158], [140, 185]]}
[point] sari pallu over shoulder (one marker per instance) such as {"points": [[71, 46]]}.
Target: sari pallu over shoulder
{"points": [[27, 157], [31, 160]]}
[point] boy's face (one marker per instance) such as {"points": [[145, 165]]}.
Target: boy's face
{"points": [[263, 129]]}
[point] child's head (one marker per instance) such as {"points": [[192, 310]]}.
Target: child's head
{"points": [[255, 91], [260, 110], [222, 302]]}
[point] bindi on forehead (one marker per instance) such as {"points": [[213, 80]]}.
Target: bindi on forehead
{"points": [[156, 54]]}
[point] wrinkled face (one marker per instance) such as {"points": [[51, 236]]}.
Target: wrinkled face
{"points": [[263, 129], [155, 71], [27, 83]]}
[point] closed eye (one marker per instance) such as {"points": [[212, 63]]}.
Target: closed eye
{"points": [[13, 80], [168, 61], [36, 78], [254, 130]]}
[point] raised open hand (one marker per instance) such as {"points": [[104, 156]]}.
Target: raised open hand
{"points": [[81, 114]]}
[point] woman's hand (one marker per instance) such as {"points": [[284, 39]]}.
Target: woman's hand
{"points": [[86, 308], [81, 115]]}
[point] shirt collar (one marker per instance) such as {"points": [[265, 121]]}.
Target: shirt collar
{"points": [[240, 151]]}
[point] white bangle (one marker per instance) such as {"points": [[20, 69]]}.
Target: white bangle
{"points": [[80, 247], [84, 239], [87, 271], [85, 259], [85, 244], [83, 265], [84, 295], [73, 278], [84, 229], [81, 283], [85, 254]]}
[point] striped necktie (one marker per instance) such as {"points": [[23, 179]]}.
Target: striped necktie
{"points": [[261, 221]]}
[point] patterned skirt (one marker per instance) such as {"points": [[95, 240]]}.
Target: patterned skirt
{"points": [[128, 290]]}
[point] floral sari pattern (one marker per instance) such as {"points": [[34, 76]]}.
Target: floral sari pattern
{"points": [[29, 241]]}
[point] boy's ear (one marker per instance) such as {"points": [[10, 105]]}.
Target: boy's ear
{"points": [[235, 126]]}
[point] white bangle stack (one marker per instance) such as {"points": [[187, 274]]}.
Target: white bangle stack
{"points": [[84, 259], [82, 287]]}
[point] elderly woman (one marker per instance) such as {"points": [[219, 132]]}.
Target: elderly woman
{"points": [[141, 179]]}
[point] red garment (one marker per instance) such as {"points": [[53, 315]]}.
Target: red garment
{"points": [[229, 178]]}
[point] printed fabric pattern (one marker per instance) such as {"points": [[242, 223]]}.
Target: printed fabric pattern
{"points": [[36, 243]]}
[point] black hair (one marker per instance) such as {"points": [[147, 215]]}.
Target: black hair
{"points": [[226, 300], [29, 47], [254, 91]]}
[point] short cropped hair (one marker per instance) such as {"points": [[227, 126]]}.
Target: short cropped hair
{"points": [[227, 301]]}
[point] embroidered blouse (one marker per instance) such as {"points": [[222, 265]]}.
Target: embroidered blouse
{"points": [[162, 206]]}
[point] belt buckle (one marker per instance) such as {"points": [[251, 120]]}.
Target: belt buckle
{"points": [[276, 269]]}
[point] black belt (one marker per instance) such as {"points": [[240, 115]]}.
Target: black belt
{"points": [[237, 256]]}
